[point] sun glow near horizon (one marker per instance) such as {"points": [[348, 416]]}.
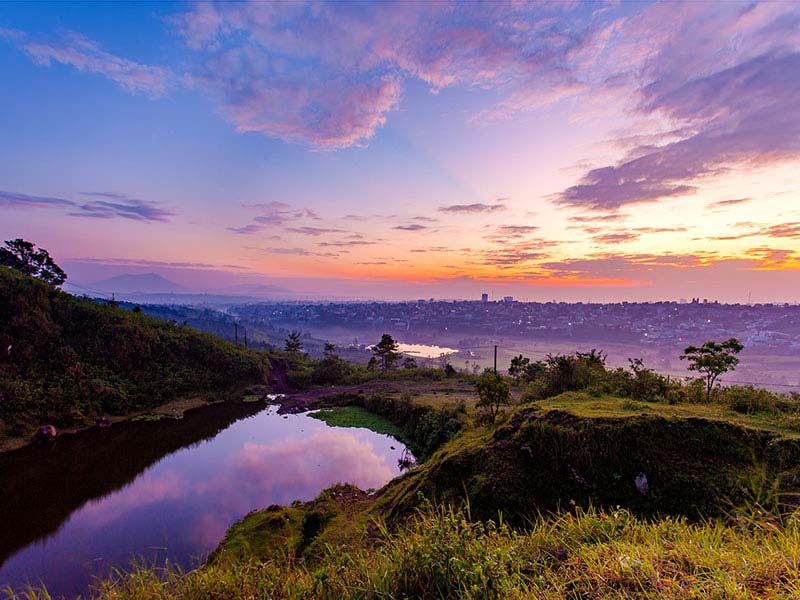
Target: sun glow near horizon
{"points": [[569, 151]]}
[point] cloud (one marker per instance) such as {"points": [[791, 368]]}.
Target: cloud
{"points": [[779, 230], [14, 200], [85, 55], [129, 208], [726, 203], [516, 229], [246, 229], [616, 237], [597, 218], [328, 76], [475, 208], [116, 206], [289, 251], [346, 244], [726, 77], [412, 227], [273, 214], [313, 231]]}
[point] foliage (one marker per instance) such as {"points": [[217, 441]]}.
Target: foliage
{"points": [[494, 392], [72, 358], [23, 256], [355, 416], [409, 362], [442, 553], [332, 369], [712, 359], [569, 372], [524, 370], [293, 342]]}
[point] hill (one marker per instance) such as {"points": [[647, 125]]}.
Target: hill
{"points": [[147, 283], [65, 359]]}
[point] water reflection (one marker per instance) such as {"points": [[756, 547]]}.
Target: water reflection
{"points": [[180, 507], [425, 350]]}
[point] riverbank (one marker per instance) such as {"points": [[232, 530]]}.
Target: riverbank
{"points": [[175, 409]]}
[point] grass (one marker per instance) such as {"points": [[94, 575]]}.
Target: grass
{"points": [[586, 405], [355, 416], [442, 553]]}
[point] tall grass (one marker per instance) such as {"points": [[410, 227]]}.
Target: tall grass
{"points": [[442, 553]]}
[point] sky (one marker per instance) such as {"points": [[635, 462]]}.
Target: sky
{"points": [[579, 151]]}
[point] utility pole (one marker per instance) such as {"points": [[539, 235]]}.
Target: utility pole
{"points": [[245, 338], [495, 359], [235, 333]]}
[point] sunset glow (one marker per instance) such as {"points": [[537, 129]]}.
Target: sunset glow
{"points": [[568, 151]]}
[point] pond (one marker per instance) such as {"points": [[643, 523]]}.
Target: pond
{"points": [[167, 491], [425, 350]]}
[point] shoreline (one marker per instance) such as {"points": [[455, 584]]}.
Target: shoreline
{"points": [[175, 409]]}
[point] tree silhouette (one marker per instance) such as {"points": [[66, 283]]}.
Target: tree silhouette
{"points": [[293, 343], [23, 256], [386, 352], [712, 360]]}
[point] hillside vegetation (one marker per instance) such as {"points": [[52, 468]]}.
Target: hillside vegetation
{"points": [[66, 359], [582, 482]]}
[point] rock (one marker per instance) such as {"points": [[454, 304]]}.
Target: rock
{"points": [[640, 481], [44, 435]]}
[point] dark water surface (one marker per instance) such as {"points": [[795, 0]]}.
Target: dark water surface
{"points": [[166, 491]]}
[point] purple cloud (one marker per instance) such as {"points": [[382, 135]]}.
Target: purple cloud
{"points": [[726, 75], [117, 206], [13, 200], [328, 75], [475, 208], [313, 231], [274, 214], [412, 227], [85, 55]]}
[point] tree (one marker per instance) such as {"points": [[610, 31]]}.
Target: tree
{"points": [[522, 369], [712, 359], [493, 392], [23, 256], [409, 362], [293, 343], [519, 366], [332, 369], [386, 352]]}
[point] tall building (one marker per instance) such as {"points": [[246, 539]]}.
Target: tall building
{"points": [[484, 298]]}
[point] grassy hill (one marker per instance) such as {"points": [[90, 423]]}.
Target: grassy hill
{"points": [[65, 359]]}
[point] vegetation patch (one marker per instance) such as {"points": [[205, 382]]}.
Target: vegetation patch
{"points": [[355, 416], [443, 553], [65, 360]]}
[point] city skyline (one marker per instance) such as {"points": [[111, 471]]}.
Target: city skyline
{"points": [[570, 151]]}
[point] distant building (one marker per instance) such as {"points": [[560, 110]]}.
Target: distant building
{"points": [[508, 298], [484, 298]]}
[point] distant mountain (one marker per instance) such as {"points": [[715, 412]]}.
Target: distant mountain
{"points": [[148, 283]]}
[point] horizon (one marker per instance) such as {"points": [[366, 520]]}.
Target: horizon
{"points": [[575, 152]]}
